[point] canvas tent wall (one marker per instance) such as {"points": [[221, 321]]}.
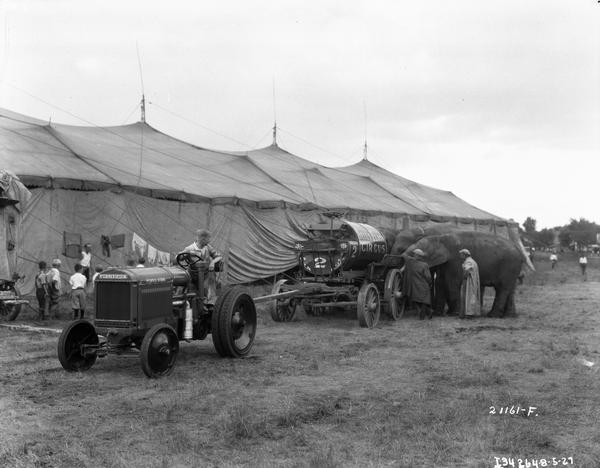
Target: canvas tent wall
{"points": [[14, 197], [134, 179]]}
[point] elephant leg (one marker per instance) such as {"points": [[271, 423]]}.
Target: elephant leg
{"points": [[494, 310], [439, 304], [452, 293], [510, 309], [499, 307], [454, 304], [481, 293], [440, 297]]}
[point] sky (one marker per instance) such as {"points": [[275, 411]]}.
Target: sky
{"points": [[497, 102]]}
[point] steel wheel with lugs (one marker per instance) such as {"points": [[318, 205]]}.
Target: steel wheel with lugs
{"points": [[234, 323]]}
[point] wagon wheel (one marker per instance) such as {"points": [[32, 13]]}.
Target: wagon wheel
{"points": [[368, 305], [160, 347], [10, 311], [282, 310], [394, 302], [286, 309], [73, 336], [234, 323]]}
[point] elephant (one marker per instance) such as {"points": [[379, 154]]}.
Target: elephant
{"points": [[399, 241], [500, 262]]}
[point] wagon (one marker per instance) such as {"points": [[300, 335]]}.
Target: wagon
{"points": [[345, 265], [10, 298]]}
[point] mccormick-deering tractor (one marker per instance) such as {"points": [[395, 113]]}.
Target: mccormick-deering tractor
{"points": [[149, 310]]}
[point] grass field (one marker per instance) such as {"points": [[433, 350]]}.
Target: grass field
{"points": [[325, 393]]}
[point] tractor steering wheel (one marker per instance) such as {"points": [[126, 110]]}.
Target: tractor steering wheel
{"points": [[187, 259]]}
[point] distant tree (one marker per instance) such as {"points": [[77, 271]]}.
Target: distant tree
{"points": [[564, 237], [546, 237], [581, 231], [529, 225]]}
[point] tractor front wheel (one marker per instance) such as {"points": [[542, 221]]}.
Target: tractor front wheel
{"points": [[160, 347]]}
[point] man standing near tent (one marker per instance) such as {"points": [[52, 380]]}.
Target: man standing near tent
{"points": [[470, 301], [208, 255], [417, 283], [86, 261]]}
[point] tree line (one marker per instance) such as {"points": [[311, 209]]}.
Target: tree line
{"points": [[581, 231]]}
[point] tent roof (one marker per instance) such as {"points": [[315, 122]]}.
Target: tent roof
{"points": [[140, 158]]}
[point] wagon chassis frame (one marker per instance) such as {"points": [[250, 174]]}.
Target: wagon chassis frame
{"points": [[378, 286]]}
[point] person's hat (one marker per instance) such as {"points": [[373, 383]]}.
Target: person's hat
{"points": [[465, 252], [56, 261], [418, 253]]}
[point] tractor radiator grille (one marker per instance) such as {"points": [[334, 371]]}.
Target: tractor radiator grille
{"points": [[112, 324], [113, 301]]}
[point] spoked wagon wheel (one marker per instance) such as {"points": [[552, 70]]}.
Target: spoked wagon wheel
{"points": [[234, 323], [368, 305], [394, 302], [70, 355], [160, 347], [282, 310], [9, 311]]}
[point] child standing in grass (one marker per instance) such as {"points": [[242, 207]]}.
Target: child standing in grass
{"points": [[583, 264], [78, 281], [553, 259], [41, 291]]}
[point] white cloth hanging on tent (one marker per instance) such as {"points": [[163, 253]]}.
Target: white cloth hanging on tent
{"points": [[152, 253], [163, 258], [138, 244]]}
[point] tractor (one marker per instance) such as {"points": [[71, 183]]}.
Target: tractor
{"points": [[148, 311]]}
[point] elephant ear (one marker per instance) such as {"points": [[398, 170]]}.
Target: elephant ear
{"points": [[436, 252], [438, 256]]}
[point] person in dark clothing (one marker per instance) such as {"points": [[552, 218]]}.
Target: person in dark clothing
{"points": [[54, 287], [41, 291], [417, 283]]}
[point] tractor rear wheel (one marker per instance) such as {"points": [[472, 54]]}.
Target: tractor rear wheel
{"points": [[234, 323], [216, 338], [368, 305], [160, 347], [73, 336]]}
